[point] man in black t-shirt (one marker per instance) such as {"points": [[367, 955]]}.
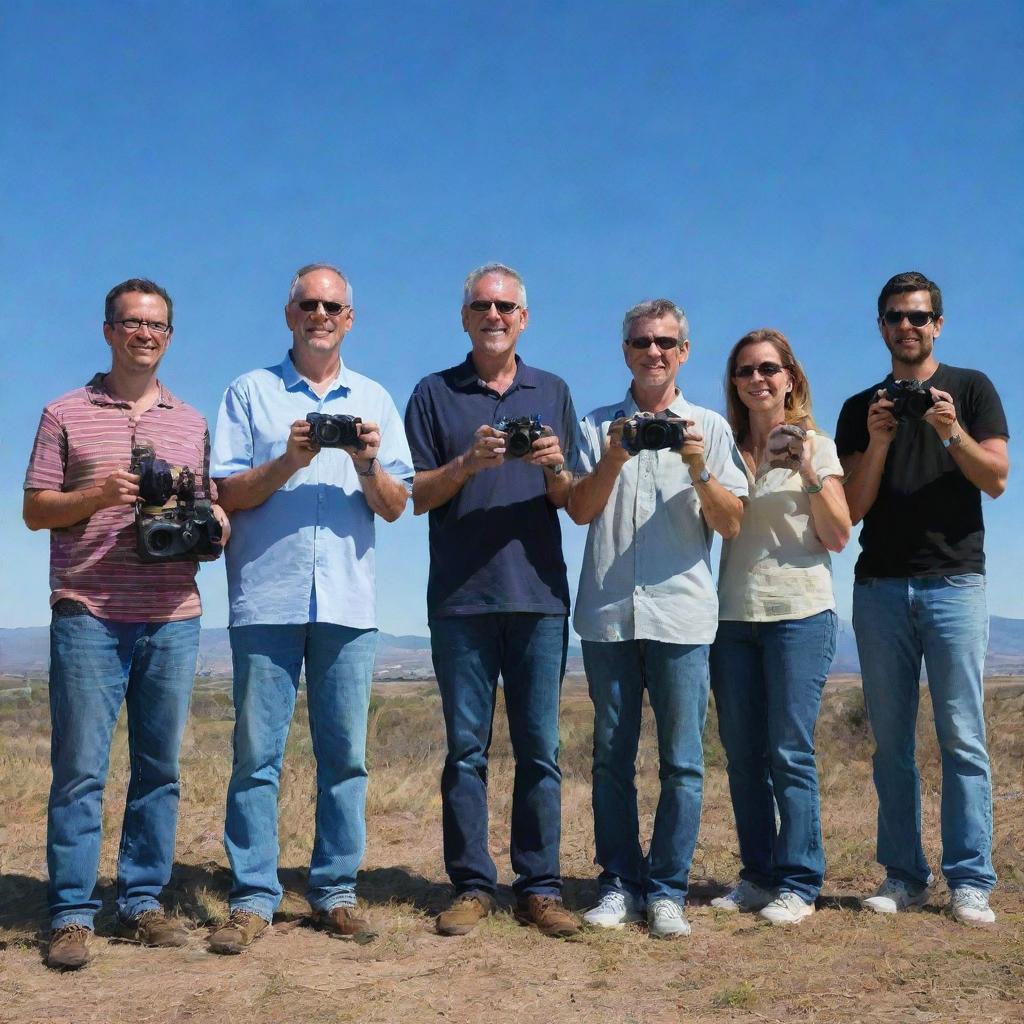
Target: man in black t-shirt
{"points": [[918, 450]]}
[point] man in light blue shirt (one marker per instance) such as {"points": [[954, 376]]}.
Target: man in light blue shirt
{"points": [[301, 587], [647, 610]]}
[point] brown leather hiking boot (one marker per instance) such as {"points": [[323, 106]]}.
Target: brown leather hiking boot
{"points": [[343, 922], [465, 913], [547, 914], [243, 929], [69, 947], [153, 928]]}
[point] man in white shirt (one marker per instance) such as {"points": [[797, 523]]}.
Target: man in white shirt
{"points": [[647, 610]]}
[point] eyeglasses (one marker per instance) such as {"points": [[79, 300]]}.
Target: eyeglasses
{"points": [[765, 369], [330, 308], [133, 324], [917, 318], [663, 342], [502, 306]]}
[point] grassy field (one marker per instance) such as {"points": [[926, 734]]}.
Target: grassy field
{"points": [[840, 965]]}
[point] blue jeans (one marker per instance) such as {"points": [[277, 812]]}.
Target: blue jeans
{"points": [[339, 674], [469, 653], [96, 665], [676, 679], [767, 678], [945, 621]]}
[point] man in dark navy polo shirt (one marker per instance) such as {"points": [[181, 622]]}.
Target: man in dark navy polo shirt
{"points": [[497, 596]]}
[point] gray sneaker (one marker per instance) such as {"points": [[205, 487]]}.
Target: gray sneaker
{"points": [[746, 897], [893, 896], [666, 920], [614, 909], [970, 906]]}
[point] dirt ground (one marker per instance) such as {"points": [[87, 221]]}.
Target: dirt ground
{"points": [[841, 965]]}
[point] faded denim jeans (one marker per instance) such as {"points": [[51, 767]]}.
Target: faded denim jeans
{"points": [[96, 665], [943, 620]]}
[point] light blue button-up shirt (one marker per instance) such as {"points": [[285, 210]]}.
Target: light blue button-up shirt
{"points": [[647, 565], [306, 554]]}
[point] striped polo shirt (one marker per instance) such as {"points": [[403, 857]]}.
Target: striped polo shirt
{"points": [[83, 437]]}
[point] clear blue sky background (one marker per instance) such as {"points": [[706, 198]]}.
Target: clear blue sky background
{"points": [[761, 163]]}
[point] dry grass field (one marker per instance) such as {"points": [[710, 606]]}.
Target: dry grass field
{"points": [[842, 965]]}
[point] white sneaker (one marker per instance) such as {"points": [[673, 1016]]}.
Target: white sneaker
{"points": [[614, 909], [666, 920], [746, 896], [893, 895], [787, 908], [970, 906]]}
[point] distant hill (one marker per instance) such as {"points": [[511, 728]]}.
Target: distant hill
{"points": [[25, 651]]}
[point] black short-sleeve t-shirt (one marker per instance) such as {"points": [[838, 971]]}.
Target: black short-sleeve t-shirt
{"points": [[926, 520]]}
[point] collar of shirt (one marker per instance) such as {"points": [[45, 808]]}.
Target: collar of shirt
{"points": [[293, 380], [97, 393], [678, 407], [467, 379]]}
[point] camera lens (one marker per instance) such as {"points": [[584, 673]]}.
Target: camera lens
{"points": [[519, 444], [159, 541], [330, 433], [656, 434]]}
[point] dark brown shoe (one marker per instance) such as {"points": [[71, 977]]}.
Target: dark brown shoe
{"points": [[242, 930], [343, 922], [547, 914], [69, 947], [153, 928], [465, 913]]}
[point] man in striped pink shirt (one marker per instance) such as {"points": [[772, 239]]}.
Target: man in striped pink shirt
{"points": [[122, 630]]}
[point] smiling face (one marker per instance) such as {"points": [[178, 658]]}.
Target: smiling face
{"points": [[762, 392], [316, 331], [494, 334], [654, 367], [137, 350], [910, 346]]}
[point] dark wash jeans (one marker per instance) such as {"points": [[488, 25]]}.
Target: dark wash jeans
{"points": [[767, 678], [469, 653]]}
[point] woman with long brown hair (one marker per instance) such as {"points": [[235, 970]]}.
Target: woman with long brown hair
{"points": [[777, 627]]}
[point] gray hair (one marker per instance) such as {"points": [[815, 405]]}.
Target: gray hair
{"points": [[308, 269], [651, 310], [492, 268]]}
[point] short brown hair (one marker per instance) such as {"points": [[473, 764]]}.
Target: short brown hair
{"points": [[911, 281], [135, 284]]}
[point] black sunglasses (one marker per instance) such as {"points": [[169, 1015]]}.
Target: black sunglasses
{"points": [[330, 308], [765, 369], [917, 318], [502, 305], [663, 342]]}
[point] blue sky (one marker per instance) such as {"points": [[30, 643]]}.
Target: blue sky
{"points": [[763, 164]]}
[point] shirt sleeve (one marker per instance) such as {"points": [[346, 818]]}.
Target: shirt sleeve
{"points": [[233, 442], [852, 428], [722, 456], [419, 431], [591, 442], [824, 458], [985, 416], [48, 461], [394, 455], [569, 434]]}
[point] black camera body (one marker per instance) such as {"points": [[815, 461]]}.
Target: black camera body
{"points": [[651, 433], [171, 524], [911, 399], [520, 433], [339, 431]]}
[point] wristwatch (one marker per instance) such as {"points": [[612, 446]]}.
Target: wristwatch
{"points": [[703, 476], [371, 469], [953, 441]]}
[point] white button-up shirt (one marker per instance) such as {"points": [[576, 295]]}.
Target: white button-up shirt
{"points": [[306, 553], [647, 565]]}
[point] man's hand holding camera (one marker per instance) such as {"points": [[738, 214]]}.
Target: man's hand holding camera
{"points": [[120, 488], [486, 452], [942, 414]]}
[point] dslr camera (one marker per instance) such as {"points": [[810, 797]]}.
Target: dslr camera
{"points": [[520, 433], [171, 524], [911, 399], [334, 431], [653, 432]]}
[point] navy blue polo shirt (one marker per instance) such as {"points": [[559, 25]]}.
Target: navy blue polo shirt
{"points": [[497, 545]]}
